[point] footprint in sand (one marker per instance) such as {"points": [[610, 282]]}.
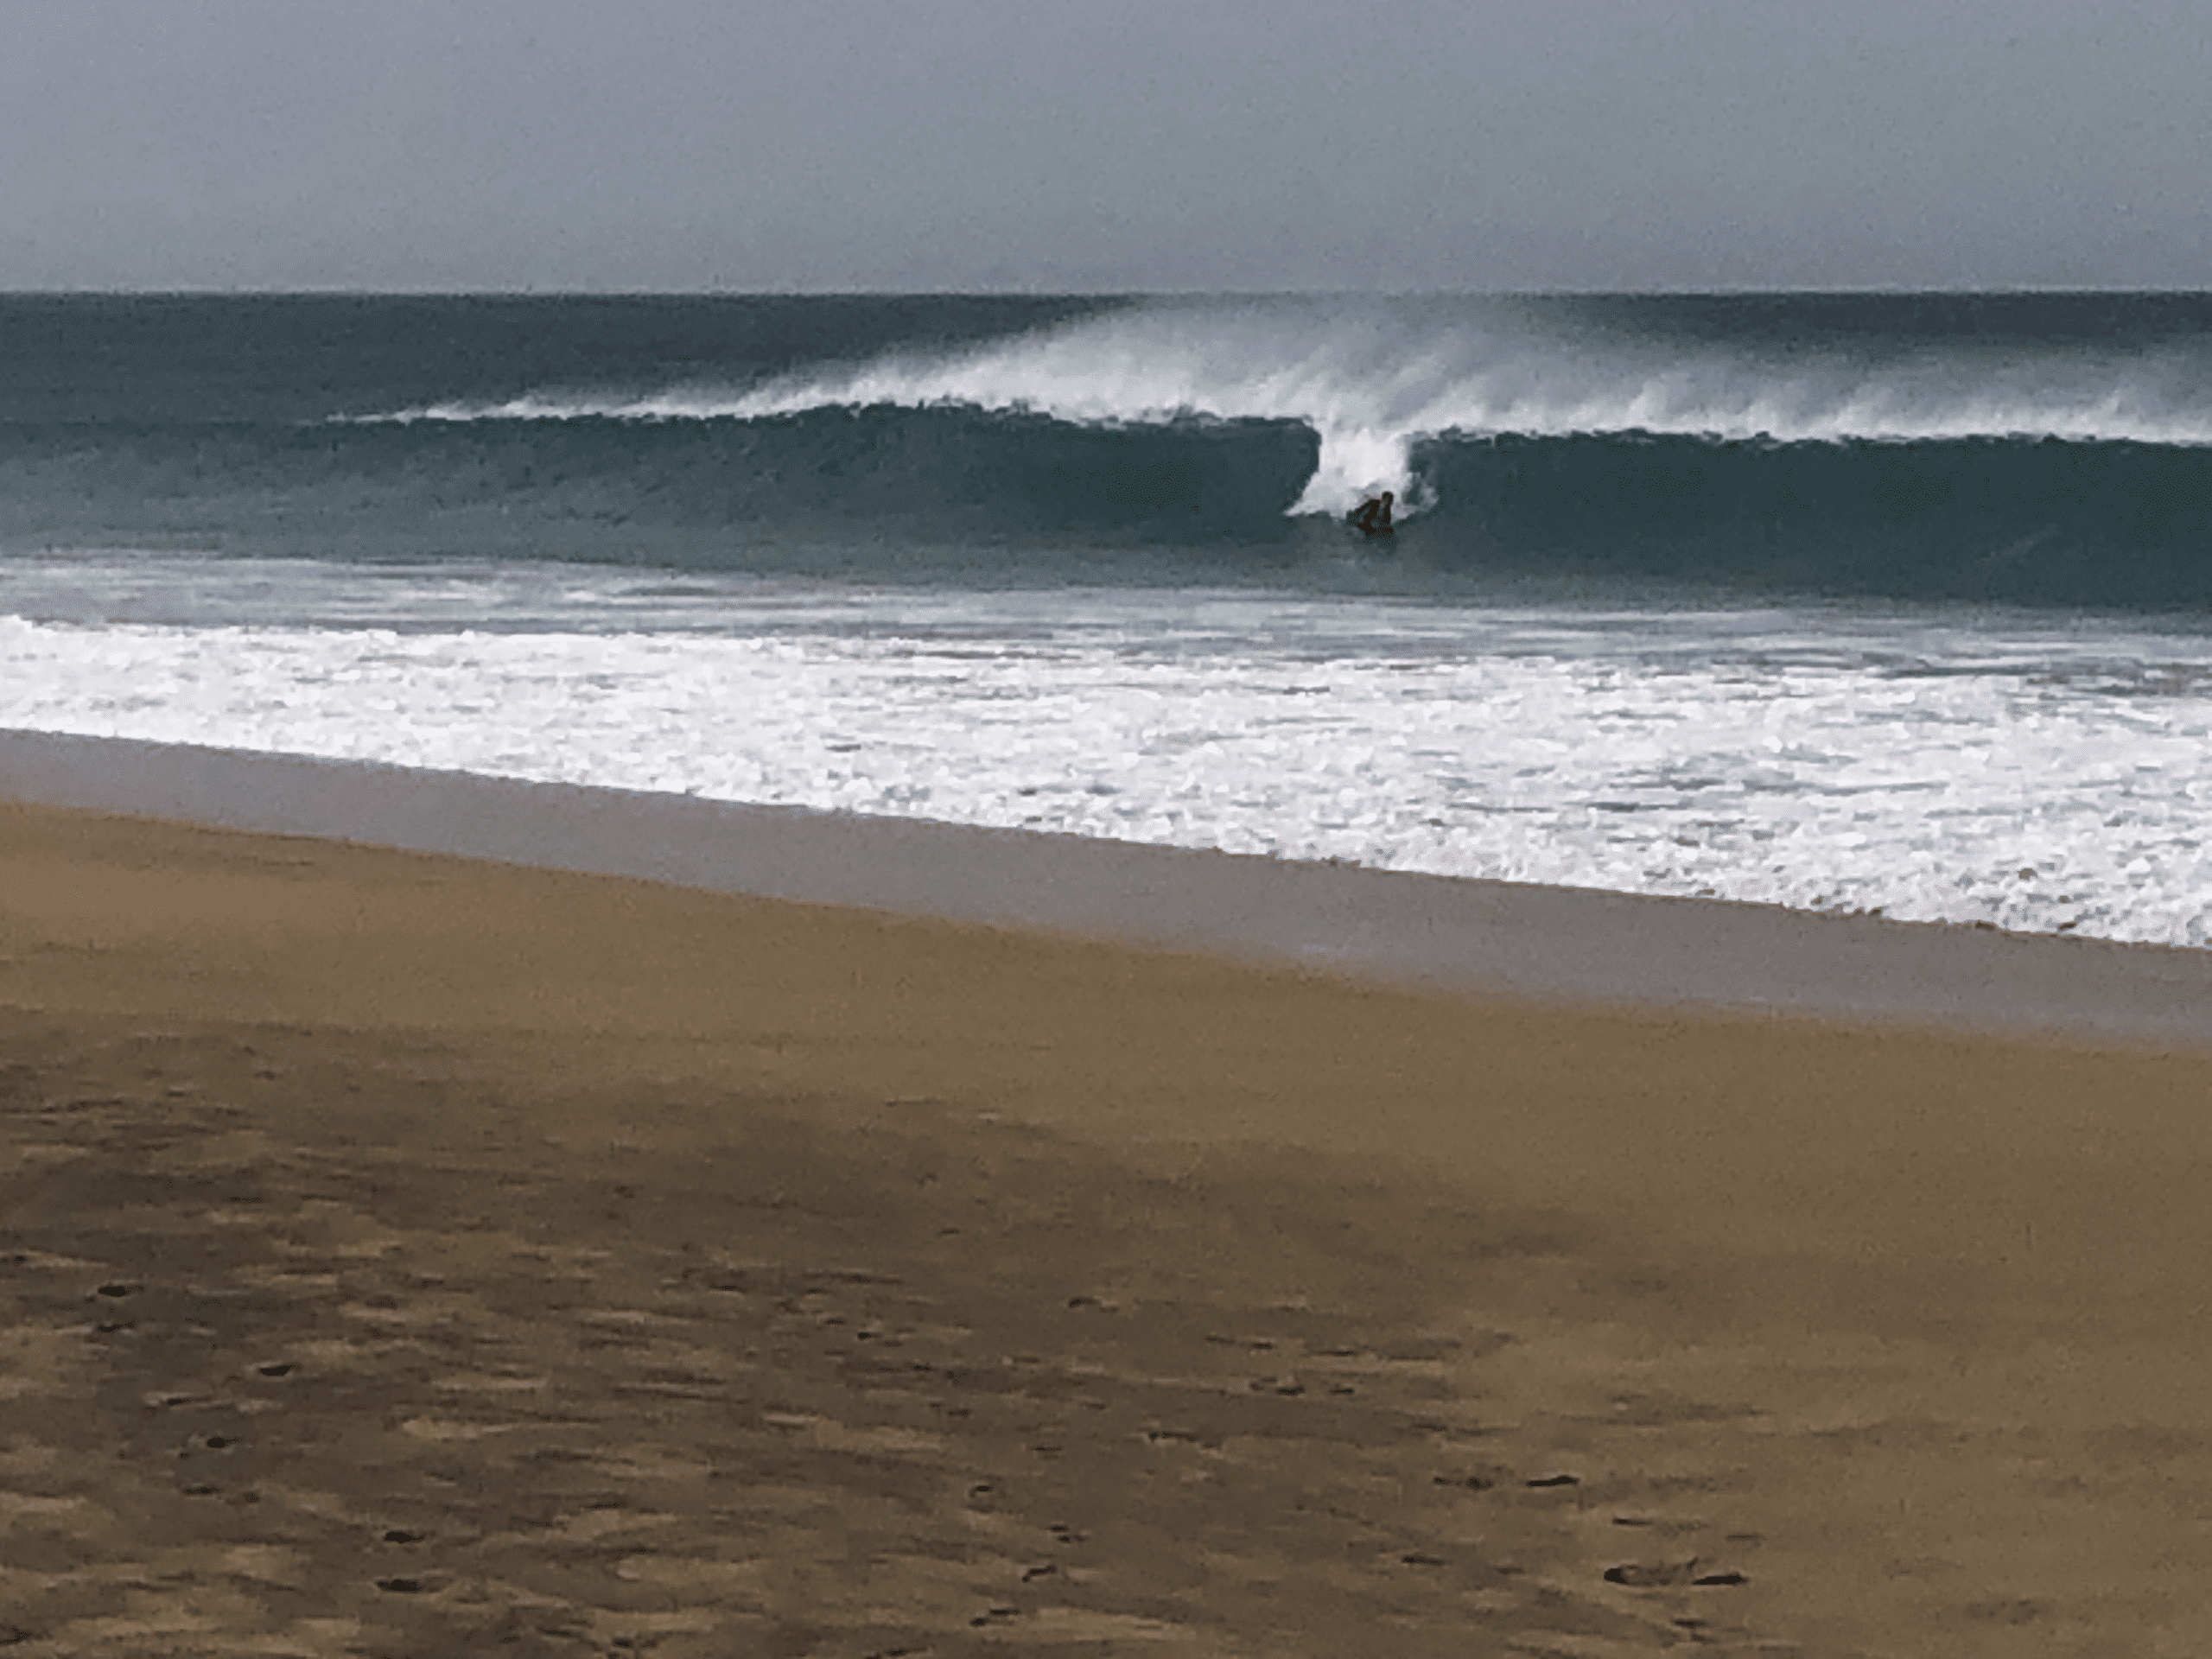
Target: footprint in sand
{"points": [[1465, 1483], [1661, 1576]]}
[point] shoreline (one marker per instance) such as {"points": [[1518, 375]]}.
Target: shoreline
{"points": [[1498, 937], [410, 1254]]}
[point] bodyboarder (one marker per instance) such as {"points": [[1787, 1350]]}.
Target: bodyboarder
{"points": [[1372, 515]]}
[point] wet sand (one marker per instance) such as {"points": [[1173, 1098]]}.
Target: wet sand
{"points": [[1386, 926], [405, 1255]]}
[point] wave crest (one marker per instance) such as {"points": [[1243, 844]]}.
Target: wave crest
{"points": [[1376, 379]]}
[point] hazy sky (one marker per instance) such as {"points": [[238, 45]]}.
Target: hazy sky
{"points": [[1113, 144]]}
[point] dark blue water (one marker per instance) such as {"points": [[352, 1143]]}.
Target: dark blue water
{"points": [[2021, 450]]}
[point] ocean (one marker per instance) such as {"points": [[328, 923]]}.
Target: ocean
{"points": [[1894, 604]]}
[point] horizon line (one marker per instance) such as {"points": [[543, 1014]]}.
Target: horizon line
{"points": [[1662, 291]]}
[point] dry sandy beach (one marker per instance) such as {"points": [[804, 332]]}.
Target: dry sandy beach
{"points": [[409, 1257]]}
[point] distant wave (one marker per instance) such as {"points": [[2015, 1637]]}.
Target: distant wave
{"points": [[1375, 380]]}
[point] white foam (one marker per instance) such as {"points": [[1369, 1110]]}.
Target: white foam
{"points": [[2028, 777]]}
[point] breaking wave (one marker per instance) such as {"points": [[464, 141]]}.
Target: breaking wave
{"points": [[1374, 380]]}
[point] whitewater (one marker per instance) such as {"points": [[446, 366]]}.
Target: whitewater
{"points": [[2046, 778]]}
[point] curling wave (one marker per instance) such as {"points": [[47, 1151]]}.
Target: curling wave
{"points": [[1374, 380]]}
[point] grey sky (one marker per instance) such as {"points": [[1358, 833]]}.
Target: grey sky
{"points": [[1116, 144]]}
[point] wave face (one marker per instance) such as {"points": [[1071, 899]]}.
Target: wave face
{"points": [[2030, 449]]}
